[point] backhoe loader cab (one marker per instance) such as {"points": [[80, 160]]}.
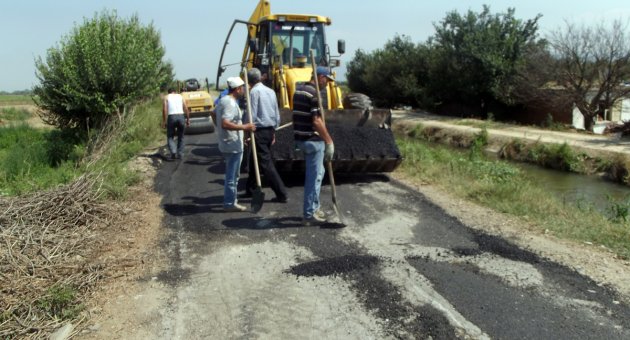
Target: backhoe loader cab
{"points": [[280, 46]]}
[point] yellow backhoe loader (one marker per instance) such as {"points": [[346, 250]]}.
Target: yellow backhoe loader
{"points": [[279, 45]]}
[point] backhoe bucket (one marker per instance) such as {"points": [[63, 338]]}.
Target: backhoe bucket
{"points": [[364, 143]]}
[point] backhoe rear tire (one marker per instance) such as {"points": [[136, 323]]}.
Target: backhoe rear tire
{"points": [[357, 100]]}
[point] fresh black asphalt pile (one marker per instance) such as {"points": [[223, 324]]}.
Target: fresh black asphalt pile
{"points": [[358, 144], [334, 266]]}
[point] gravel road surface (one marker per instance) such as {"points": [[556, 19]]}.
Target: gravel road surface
{"points": [[402, 269]]}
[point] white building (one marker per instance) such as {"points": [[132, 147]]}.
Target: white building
{"points": [[619, 113]]}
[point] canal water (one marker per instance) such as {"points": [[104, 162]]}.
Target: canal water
{"points": [[578, 189]]}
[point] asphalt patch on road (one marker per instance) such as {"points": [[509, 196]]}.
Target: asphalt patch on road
{"points": [[380, 296], [505, 312], [567, 280], [404, 320], [334, 266], [174, 276], [498, 246]]}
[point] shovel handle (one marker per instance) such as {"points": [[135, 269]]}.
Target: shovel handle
{"points": [[249, 114], [331, 177]]}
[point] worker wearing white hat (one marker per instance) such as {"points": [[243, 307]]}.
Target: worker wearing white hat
{"points": [[230, 129]]}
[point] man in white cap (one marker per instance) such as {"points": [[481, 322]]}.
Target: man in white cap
{"points": [[230, 129]]}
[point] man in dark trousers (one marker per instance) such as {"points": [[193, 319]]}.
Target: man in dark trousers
{"points": [[174, 107], [266, 117]]}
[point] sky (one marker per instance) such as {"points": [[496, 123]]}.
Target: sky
{"points": [[193, 32]]}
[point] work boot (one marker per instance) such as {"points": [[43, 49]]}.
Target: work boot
{"points": [[235, 208], [315, 220], [320, 214]]}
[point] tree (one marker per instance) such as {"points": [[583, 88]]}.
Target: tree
{"points": [[476, 56], [355, 71], [98, 70], [392, 75], [592, 64]]}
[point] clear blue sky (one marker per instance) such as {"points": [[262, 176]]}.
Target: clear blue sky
{"points": [[193, 32]]}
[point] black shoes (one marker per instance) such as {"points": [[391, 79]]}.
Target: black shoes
{"points": [[280, 199], [248, 194]]}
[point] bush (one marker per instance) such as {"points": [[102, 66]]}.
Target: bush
{"points": [[63, 145], [32, 159], [13, 114], [99, 70], [59, 302]]}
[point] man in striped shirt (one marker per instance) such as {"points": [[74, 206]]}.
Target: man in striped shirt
{"points": [[312, 137]]}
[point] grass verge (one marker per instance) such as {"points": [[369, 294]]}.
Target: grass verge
{"points": [[122, 142], [13, 114], [34, 159], [501, 186]]}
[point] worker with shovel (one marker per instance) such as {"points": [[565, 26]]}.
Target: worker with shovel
{"points": [[230, 137], [312, 137], [266, 117]]}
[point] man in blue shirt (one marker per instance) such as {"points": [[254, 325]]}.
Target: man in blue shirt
{"points": [[266, 117]]}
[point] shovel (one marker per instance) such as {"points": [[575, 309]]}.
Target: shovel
{"points": [[258, 196], [329, 168]]}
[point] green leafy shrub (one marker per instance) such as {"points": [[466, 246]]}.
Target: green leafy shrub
{"points": [[32, 159], [60, 302], [618, 210], [64, 145], [480, 140], [101, 68]]}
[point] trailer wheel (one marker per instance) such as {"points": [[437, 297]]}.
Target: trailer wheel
{"points": [[357, 100]]}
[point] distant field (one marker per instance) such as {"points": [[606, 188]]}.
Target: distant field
{"points": [[15, 99], [14, 114]]}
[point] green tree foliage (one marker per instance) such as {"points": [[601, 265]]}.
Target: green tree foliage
{"points": [[98, 70], [471, 58], [392, 75], [478, 55]]}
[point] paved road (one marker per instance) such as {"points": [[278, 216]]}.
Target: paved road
{"points": [[402, 269]]}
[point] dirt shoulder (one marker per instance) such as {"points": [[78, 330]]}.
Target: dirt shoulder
{"points": [[134, 246]]}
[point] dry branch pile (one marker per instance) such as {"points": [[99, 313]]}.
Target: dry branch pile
{"points": [[45, 243]]}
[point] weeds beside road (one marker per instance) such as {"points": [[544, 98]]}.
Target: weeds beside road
{"points": [[61, 203], [501, 186], [568, 151]]}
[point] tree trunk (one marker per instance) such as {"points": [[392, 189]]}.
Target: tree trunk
{"points": [[588, 122]]}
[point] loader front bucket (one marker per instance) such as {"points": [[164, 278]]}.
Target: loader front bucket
{"points": [[378, 118], [364, 143]]}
